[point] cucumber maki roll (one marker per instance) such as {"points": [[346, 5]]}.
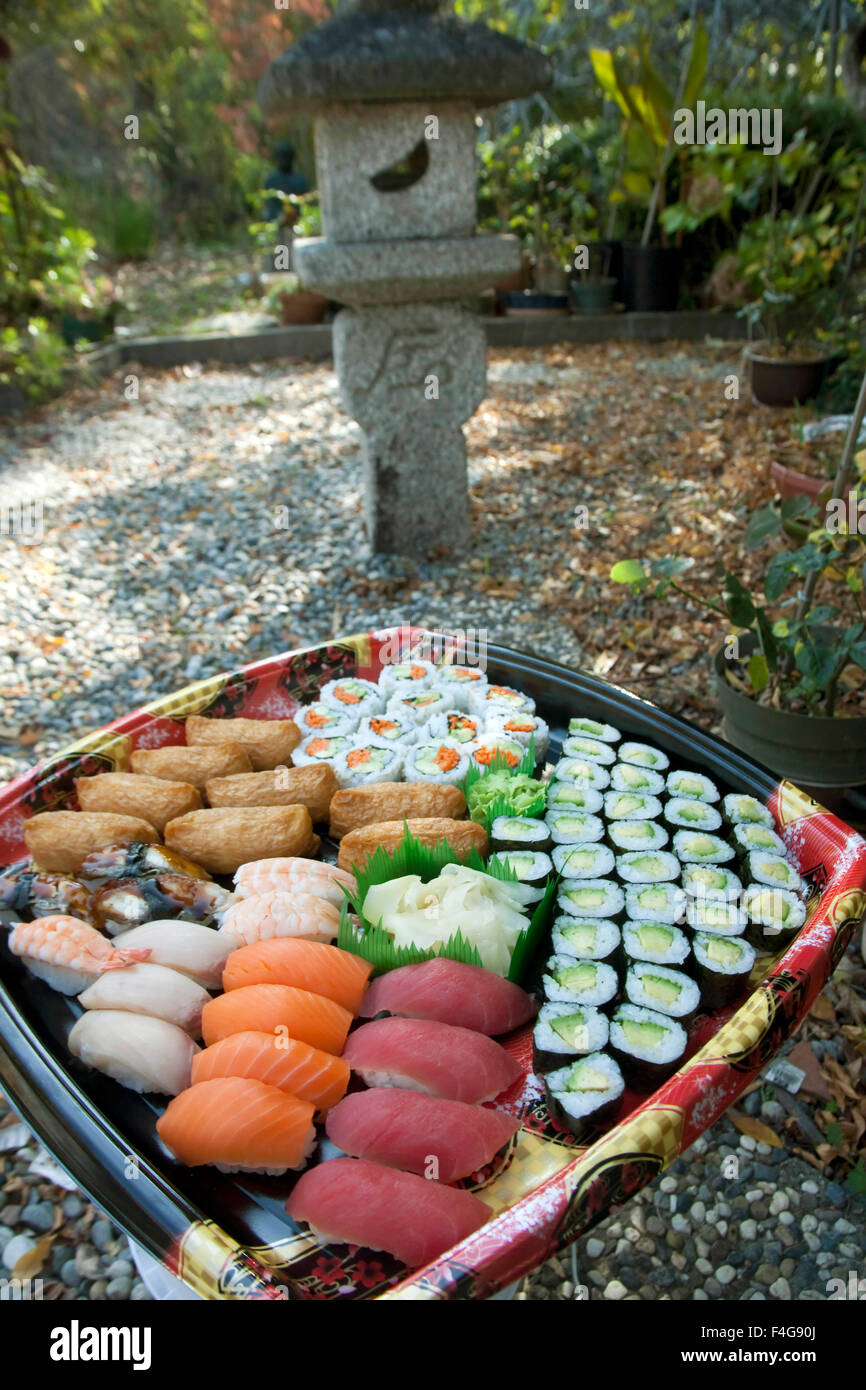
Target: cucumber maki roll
{"points": [[719, 916], [691, 786], [625, 777], [592, 750], [710, 881], [591, 897], [562, 1032], [321, 749], [456, 724], [445, 762], [563, 796], [364, 764], [523, 728], [519, 832], [590, 938], [654, 902], [583, 861], [774, 915], [586, 1095], [501, 697], [644, 755], [658, 987], [460, 685], [722, 967], [406, 677], [696, 847], [416, 708], [738, 809], [774, 872], [568, 980], [532, 869], [321, 719], [574, 828], [386, 731], [748, 838], [627, 835], [581, 773], [593, 728], [660, 943], [648, 1045], [353, 696], [631, 806], [496, 748], [692, 815], [643, 866]]}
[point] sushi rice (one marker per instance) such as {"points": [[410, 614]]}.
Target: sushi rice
{"points": [[582, 773], [774, 872], [688, 814], [322, 718], [660, 943], [670, 992], [406, 677], [626, 777], [574, 828], [386, 731], [724, 918], [459, 684], [748, 838], [592, 750], [321, 749], [569, 980], [532, 869], [585, 1093], [493, 747], [581, 1029], [593, 728], [583, 861], [498, 698], [356, 697], [366, 763], [417, 708], [567, 795], [644, 755], [519, 832], [631, 806], [645, 1035], [587, 938], [456, 724], [710, 881], [523, 728], [631, 835], [591, 897], [738, 809], [655, 902], [644, 866], [691, 786], [697, 847]]}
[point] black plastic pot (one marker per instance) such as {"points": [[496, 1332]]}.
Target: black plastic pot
{"points": [[605, 258], [593, 296], [808, 749], [786, 381], [650, 278], [535, 304]]}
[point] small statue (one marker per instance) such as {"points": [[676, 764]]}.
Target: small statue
{"points": [[284, 180]]}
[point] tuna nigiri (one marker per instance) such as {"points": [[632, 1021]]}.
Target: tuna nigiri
{"points": [[450, 992], [239, 1125], [282, 914], [142, 1053], [348, 1201], [444, 1139], [294, 876], [197, 951], [288, 960], [266, 1008], [419, 1055], [293, 1066], [150, 989], [68, 954]]}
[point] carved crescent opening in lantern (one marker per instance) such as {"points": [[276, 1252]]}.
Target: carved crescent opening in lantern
{"points": [[405, 172]]}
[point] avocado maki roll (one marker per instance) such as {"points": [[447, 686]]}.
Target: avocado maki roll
{"points": [[697, 847], [722, 967], [569, 980], [629, 835], [455, 724], [648, 1045], [644, 755], [691, 786], [738, 809], [774, 872], [670, 992], [721, 916], [631, 806], [532, 869], [654, 902], [582, 861], [564, 1031], [593, 750], [590, 897], [590, 938], [365, 763], [567, 796], [523, 728], [444, 761], [684, 814], [626, 777], [582, 773], [660, 943], [710, 881], [593, 728], [585, 1096], [574, 828], [774, 915], [519, 832], [748, 838], [648, 866], [406, 677]]}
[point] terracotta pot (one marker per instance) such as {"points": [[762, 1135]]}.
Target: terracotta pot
{"points": [[785, 381], [302, 306], [790, 483]]}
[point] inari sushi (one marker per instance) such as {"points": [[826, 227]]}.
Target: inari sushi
{"points": [[289, 914], [267, 742], [239, 1125], [289, 960], [144, 1054], [448, 991], [292, 1066], [269, 1008], [406, 1129], [420, 1055], [349, 1201]]}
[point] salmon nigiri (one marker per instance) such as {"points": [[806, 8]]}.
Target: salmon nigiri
{"points": [[68, 954], [266, 1008], [294, 876], [289, 960], [282, 914], [240, 1125], [292, 1066]]}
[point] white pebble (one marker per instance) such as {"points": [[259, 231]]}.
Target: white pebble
{"points": [[615, 1291], [680, 1222], [810, 1187], [813, 1242], [700, 1296], [755, 1195], [726, 1274], [668, 1184], [678, 1260], [787, 1218], [594, 1247], [749, 1229], [779, 1202], [844, 1227], [764, 1149], [809, 1222], [781, 1289], [748, 1143], [698, 1212], [722, 1228]]}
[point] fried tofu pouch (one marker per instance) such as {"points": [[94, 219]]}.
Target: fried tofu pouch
{"points": [[383, 801], [59, 840], [128, 793], [462, 835], [177, 763], [268, 742], [312, 786], [223, 838]]}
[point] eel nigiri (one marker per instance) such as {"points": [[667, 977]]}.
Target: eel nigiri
{"points": [[196, 951], [68, 954], [420, 1055], [450, 992], [293, 1066], [121, 904], [293, 876], [142, 1053], [150, 989], [289, 960], [239, 1125], [348, 1201], [444, 1139], [282, 914], [266, 1008], [32, 894]]}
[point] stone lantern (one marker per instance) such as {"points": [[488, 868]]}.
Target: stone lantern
{"points": [[394, 86]]}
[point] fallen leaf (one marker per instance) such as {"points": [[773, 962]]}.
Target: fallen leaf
{"points": [[823, 1010], [756, 1129], [31, 1264]]}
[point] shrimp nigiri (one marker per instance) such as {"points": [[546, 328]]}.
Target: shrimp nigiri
{"points": [[282, 914], [293, 876], [66, 953]]}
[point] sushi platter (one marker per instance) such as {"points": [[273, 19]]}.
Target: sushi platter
{"points": [[368, 972]]}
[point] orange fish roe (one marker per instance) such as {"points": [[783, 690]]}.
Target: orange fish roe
{"points": [[382, 726], [357, 757], [467, 673], [417, 673], [519, 726], [487, 755], [348, 697], [316, 720], [499, 690], [447, 759], [317, 746], [460, 721]]}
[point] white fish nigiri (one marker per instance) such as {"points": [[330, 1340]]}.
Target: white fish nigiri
{"points": [[153, 990], [142, 1053], [197, 951], [67, 953]]}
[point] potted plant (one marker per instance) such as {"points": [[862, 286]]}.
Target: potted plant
{"points": [[294, 304], [592, 284], [88, 312], [807, 466]]}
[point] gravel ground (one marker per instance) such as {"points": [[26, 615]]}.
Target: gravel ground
{"points": [[165, 557]]}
